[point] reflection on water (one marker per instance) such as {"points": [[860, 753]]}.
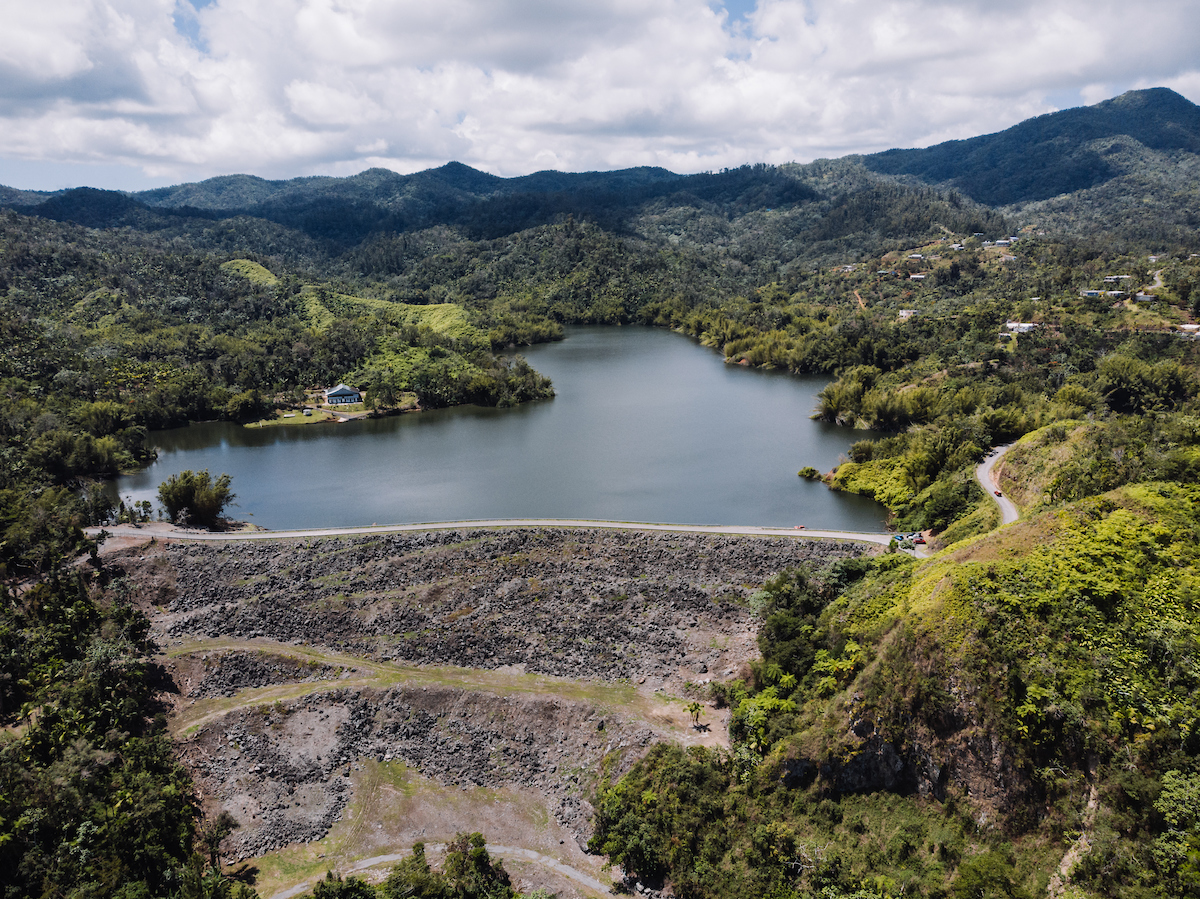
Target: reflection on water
{"points": [[647, 426]]}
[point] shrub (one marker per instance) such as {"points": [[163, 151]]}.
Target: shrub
{"points": [[192, 497]]}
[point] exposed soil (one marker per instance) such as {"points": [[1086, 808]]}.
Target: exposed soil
{"points": [[304, 666]]}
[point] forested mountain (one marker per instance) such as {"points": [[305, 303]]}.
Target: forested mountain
{"points": [[1125, 168], [949, 727], [1052, 154]]}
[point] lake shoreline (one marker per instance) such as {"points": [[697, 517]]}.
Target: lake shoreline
{"points": [[647, 425]]}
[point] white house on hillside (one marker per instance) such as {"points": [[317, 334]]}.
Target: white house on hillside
{"points": [[336, 396]]}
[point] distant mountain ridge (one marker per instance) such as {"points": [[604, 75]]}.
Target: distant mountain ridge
{"points": [[1126, 166], [1049, 155], [229, 193]]}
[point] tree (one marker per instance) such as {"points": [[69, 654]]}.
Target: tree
{"points": [[472, 871], [247, 406], [412, 878], [213, 834], [193, 497], [334, 887]]}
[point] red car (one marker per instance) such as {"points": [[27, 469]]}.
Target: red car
{"points": [[998, 493]]}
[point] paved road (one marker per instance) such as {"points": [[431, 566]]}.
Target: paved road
{"points": [[166, 531], [986, 477]]}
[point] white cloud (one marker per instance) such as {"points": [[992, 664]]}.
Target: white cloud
{"points": [[288, 87]]}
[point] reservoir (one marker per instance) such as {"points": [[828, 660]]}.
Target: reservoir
{"points": [[647, 426]]}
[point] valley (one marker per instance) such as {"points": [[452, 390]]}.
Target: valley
{"points": [[1011, 711]]}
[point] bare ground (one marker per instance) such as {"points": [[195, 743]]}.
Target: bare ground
{"points": [[346, 697]]}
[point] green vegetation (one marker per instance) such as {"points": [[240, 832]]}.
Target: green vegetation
{"points": [[92, 800], [468, 873], [1057, 655], [949, 727], [193, 497]]}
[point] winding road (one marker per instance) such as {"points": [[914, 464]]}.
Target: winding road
{"points": [[987, 479]]}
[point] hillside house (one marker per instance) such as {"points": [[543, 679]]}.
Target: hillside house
{"points": [[342, 395], [1020, 327], [906, 314]]}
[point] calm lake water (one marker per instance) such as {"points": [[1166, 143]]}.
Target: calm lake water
{"points": [[647, 426]]}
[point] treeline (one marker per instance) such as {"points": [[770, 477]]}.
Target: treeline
{"points": [[92, 799]]}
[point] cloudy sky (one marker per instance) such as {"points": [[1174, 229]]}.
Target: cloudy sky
{"points": [[136, 93]]}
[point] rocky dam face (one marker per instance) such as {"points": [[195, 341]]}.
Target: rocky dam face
{"points": [[345, 697]]}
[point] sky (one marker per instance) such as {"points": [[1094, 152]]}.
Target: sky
{"points": [[132, 94]]}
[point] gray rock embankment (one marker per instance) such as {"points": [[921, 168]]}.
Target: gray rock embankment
{"points": [[555, 601], [223, 674], [662, 608], [284, 770]]}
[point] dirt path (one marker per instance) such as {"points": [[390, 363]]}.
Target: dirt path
{"points": [[503, 853], [861, 304], [1062, 877]]}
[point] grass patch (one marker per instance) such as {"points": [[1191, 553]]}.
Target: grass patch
{"points": [[290, 419], [984, 519], [381, 675], [315, 311], [251, 271]]}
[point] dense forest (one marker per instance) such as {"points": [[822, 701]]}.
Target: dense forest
{"points": [[941, 728]]}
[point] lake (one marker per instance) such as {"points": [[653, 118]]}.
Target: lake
{"points": [[647, 426]]}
